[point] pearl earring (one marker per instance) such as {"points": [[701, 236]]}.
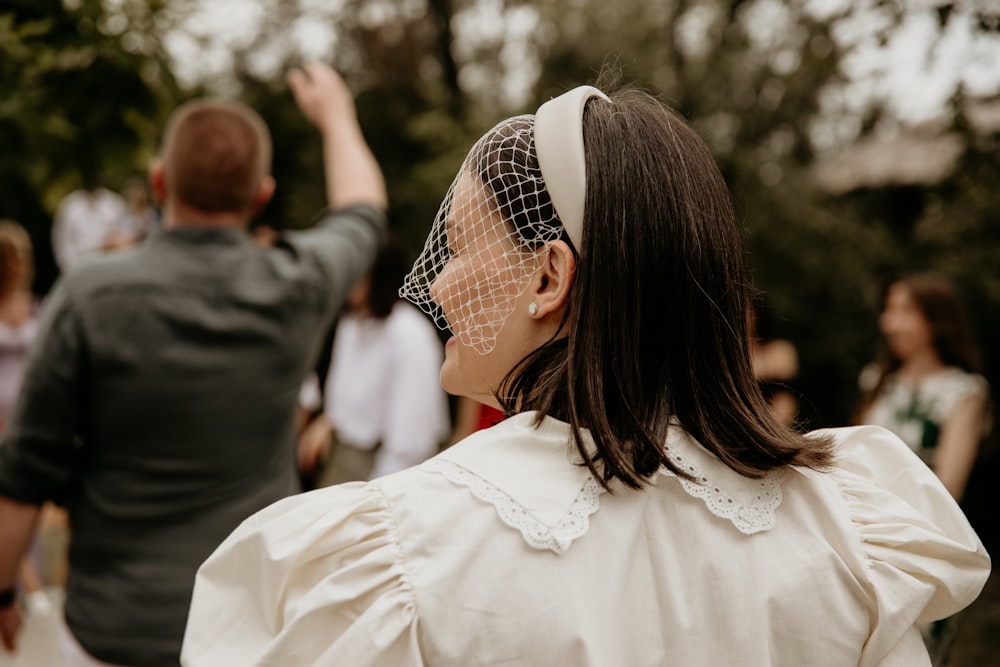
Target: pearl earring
{"points": [[532, 309]]}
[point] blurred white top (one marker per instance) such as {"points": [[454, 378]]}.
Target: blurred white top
{"points": [[85, 221], [383, 387]]}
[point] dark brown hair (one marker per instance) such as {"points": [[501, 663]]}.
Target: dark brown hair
{"points": [[657, 325], [386, 277], [215, 154]]}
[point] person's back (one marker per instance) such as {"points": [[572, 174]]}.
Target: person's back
{"points": [[161, 398], [755, 572], [197, 343], [465, 560]]}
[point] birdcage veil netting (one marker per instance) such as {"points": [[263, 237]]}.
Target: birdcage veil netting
{"points": [[488, 237]]}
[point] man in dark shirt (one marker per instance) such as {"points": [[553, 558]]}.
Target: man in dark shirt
{"points": [[159, 400]]}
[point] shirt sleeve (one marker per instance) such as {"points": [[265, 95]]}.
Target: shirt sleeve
{"points": [[925, 561], [42, 448], [340, 247], [314, 580], [959, 388]]}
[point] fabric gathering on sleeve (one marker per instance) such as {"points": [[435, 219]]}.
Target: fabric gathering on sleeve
{"points": [[318, 579], [925, 561]]}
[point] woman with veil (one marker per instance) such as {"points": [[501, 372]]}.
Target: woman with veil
{"points": [[640, 504]]}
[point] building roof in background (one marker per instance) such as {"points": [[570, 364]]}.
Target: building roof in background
{"points": [[908, 158], [921, 155]]}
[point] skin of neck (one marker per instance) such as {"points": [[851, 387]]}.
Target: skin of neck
{"points": [[921, 363], [177, 215]]}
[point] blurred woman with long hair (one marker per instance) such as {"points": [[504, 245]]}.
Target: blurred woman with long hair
{"points": [[927, 388]]}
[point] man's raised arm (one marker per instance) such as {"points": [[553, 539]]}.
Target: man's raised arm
{"points": [[352, 174]]}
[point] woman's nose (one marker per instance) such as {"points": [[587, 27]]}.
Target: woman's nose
{"points": [[888, 322], [435, 290]]}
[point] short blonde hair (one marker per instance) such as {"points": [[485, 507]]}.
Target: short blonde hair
{"points": [[215, 153]]}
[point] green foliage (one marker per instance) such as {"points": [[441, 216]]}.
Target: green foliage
{"points": [[81, 101], [411, 112]]}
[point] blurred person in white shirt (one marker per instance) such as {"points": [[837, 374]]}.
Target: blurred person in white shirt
{"points": [[384, 409], [89, 221]]}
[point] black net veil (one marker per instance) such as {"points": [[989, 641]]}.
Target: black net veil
{"points": [[488, 239]]}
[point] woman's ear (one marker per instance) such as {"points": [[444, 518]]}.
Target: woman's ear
{"points": [[552, 283]]}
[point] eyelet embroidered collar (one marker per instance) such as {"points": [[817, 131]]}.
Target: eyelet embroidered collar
{"points": [[533, 478], [746, 502]]}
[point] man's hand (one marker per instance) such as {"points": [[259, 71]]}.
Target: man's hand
{"points": [[10, 625], [17, 527], [353, 175], [321, 94], [117, 241]]}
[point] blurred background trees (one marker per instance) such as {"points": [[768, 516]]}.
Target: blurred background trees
{"points": [[859, 138], [83, 91]]}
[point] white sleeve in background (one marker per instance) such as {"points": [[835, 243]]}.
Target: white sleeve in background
{"points": [[310, 397]]}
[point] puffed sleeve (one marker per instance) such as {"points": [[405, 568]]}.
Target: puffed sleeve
{"points": [[925, 561], [316, 579]]}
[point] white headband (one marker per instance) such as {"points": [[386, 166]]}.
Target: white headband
{"points": [[559, 147]]}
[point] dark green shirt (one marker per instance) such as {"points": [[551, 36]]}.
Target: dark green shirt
{"points": [[158, 405]]}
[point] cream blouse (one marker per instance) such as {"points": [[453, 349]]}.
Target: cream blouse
{"points": [[503, 551]]}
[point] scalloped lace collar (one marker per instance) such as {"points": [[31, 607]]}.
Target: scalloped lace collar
{"points": [[533, 478]]}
